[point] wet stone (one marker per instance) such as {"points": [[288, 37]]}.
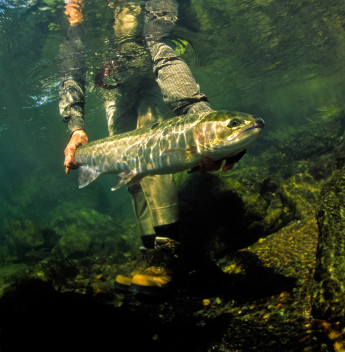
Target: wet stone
{"points": [[329, 281], [28, 240]]}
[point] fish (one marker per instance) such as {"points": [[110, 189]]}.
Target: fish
{"points": [[174, 145]]}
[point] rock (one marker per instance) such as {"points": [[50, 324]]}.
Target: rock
{"points": [[74, 245], [300, 192], [274, 215], [307, 141], [10, 273], [29, 240], [85, 232], [328, 297]]}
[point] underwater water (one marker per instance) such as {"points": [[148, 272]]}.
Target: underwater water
{"points": [[280, 60]]}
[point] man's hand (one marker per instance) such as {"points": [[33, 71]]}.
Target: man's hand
{"points": [[207, 164], [73, 11], [78, 138]]}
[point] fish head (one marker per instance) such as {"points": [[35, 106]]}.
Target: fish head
{"points": [[226, 133]]}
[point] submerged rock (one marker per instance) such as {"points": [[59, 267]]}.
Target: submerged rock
{"points": [[10, 273], [86, 231], [329, 281], [28, 240], [300, 192], [313, 138], [74, 245], [242, 206]]}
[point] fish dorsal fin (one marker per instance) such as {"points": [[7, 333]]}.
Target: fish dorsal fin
{"points": [[123, 179], [87, 175]]}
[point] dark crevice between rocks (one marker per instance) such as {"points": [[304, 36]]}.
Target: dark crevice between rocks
{"points": [[255, 283]]}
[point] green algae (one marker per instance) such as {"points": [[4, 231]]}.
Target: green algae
{"points": [[86, 231], [9, 273], [329, 280], [301, 192], [75, 244], [29, 240]]}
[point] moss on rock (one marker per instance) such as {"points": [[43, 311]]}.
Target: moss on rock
{"points": [[74, 244], [86, 231], [329, 279], [27, 239], [300, 192]]}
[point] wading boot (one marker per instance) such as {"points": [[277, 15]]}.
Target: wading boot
{"points": [[161, 270], [152, 273], [123, 280]]}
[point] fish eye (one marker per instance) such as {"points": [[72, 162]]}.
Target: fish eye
{"points": [[234, 123]]}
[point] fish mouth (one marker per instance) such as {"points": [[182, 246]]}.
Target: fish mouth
{"points": [[258, 124]]}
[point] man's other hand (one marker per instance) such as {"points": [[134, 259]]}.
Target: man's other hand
{"points": [[207, 164], [78, 138], [73, 11]]}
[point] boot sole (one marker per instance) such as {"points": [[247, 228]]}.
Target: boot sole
{"points": [[150, 290], [121, 287]]}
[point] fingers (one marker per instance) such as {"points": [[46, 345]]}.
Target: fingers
{"points": [[228, 166], [78, 138], [73, 11], [207, 164], [69, 158]]}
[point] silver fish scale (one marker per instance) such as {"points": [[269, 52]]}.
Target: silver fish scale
{"points": [[140, 149], [167, 147]]}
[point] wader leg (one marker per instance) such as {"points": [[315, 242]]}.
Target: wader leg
{"points": [[159, 190], [154, 200], [141, 210], [121, 113], [121, 117], [161, 196]]}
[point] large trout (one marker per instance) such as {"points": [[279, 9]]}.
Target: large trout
{"points": [[167, 147]]}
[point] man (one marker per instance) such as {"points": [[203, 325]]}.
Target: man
{"points": [[133, 100]]}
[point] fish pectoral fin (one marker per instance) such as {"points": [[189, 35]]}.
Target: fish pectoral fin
{"points": [[123, 179], [87, 175]]}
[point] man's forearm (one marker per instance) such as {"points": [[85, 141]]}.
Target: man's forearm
{"points": [[71, 104], [72, 87], [180, 90]]}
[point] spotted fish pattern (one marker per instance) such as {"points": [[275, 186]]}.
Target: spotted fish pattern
{"points": [[167, 147]]}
